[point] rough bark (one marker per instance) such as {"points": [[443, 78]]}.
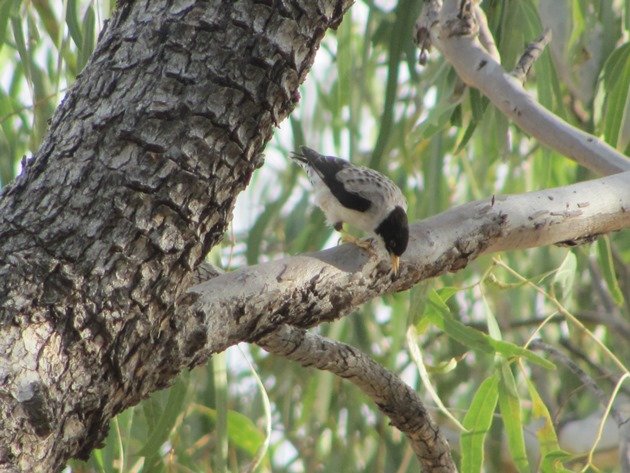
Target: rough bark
{"points": [[133, 184], [391, 395]]}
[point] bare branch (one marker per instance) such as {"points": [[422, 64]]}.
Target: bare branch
{"points": [[485, 36], [582, 375], [619, 413], [309, 289], [602, 374], [531, 54], [479, 69], [393, 397]]}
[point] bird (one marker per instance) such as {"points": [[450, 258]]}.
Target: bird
{"points": [[361, 197]]}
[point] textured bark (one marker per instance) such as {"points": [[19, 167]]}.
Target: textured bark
{"points": [[134, 183], [390, 394]]}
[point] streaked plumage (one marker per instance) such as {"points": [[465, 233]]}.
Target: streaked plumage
{"points": [[359, 196]]}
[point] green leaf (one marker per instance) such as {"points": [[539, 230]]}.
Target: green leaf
{"points": [[468, 134], [552, 461], [494, 330], [416, 356], [615, 80], [478, 104], [435, 122], [89, 33], [242, 431], [441, 317], [72, 21], [547, 84], [478, 420], [604, 256], [344, 62], [510, 406], [161, 423], [47, 17], [256, 235], [546, 433], [20, 45], [510, 350], [43, 108], [219, 374], [565, 276], [263, 447], [5, 9], [406, 14], [417, 307]]}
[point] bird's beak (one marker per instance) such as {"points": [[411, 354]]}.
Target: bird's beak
{"points": [[395, 264]]}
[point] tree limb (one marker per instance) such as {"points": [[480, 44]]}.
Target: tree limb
{"points": [[392, 396], [306, 290], [479, 69], [531, 54]]}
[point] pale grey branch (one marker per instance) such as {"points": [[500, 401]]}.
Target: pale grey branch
{"points": [[454, 36], [485, 35], [305, 290]]}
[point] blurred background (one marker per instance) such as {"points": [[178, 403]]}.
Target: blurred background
{"points": [[367, 100]]}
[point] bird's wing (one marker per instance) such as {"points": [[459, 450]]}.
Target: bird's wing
{"points": [[329, 169], [371, 185]]}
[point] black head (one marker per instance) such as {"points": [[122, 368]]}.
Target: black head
{"points": [[394, 231]]}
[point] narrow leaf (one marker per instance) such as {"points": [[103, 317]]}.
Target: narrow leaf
{"points": [[616, 79], [406, 13], [72, 20], [89, 33], [478, 420], [416, 356], [241, 429], [510, 406], [263, 447], [47, 17], [165, 419], [20, 44], [441, 317], [546, 433], [604, 256], [565, 276], [5, 9]]}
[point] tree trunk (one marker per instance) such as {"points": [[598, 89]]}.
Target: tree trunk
{"points": [[134, 183]]}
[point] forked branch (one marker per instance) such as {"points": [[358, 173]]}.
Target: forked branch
{"points": [[453, 30]]}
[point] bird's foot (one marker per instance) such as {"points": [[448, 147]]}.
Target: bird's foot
{"points": [[366, 244]]}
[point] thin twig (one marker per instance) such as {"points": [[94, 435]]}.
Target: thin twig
{"points": [[586, 379], [531, 54], [604, 374], [485, 35], [568, 315]]}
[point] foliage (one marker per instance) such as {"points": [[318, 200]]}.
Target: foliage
{"points": [[367, 98]]}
